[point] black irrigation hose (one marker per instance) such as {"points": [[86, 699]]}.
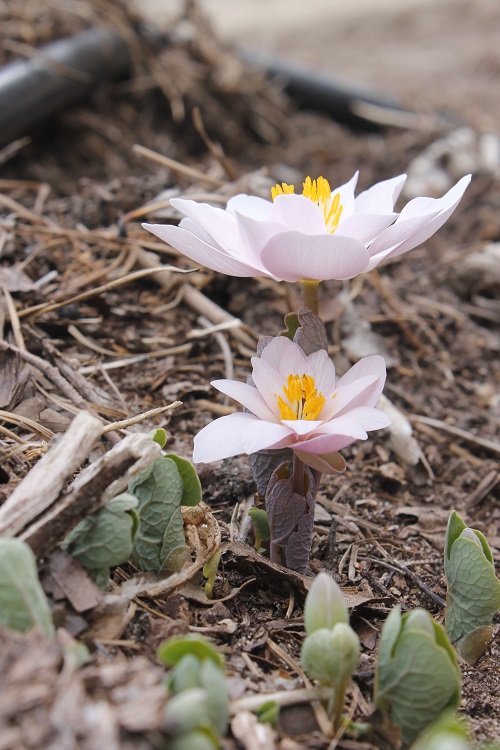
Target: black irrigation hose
{"points": [[60, 74], [66, 71], [324, 93]]}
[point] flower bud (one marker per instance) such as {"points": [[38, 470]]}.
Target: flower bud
{"points": [[325, 605], [330, 656]]}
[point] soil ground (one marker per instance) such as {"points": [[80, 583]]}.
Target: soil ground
{"points": [[68, 198]]}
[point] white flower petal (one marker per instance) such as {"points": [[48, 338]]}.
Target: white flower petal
{"points": [[299, 213], [201, 252], [324, 372], [253, 235], [302, 427], [346, 192], [269, 382], [381, 197], [418, 221], [217, 222], [364, 227], [251, 206], [247, 396], [292, 256], [266, 436], [361, 385], [369, 418], [222, 438], [275, 350]]}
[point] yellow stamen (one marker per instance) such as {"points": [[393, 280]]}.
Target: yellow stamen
{"points": [[319, 192], [282, 189], [302, 399]]}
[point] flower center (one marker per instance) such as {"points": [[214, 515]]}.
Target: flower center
{"points": [[302, 399], [319, 192]]}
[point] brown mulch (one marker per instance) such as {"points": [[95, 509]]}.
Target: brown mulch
{"points": [[70, 224]]}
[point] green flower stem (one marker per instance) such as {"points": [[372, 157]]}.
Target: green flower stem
{"points": [[298, 475], [310, 291], [336, 705]]}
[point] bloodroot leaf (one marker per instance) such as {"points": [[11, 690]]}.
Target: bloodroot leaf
{"points": [[473, 594], [263, 465], [173, 650], [417, 676], [291, 518], [311, 336], [23, 604], [105, 538], [191, 486], [159, 491]]}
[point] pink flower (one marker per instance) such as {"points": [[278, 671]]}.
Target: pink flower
{"points": [[296, 403], [321, 234]]}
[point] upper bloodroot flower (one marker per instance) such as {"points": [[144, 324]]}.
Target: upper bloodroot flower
{"points": [[318, 235], [296, 403]]}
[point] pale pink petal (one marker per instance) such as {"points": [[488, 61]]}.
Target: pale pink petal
{"points": [[324, 372], [200, 252], [264, 436], [364, 227], [191, 226], [222, 438], [250, 206], [275, 350], [369, 418], [292, 256], [361, 385], [298, 213], [247, 396], [381, 197], [253, 235], [418, 221], [219, 224], [337, 437], [268, 382], [346, 192], [302, 427], [294, 362], [331, 463]]}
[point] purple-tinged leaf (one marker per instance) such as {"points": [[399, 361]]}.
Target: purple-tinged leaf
{"points": [[291, 518], [311, 336]]}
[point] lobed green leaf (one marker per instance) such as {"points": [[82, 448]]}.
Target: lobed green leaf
{"points": [[473, 590], [105, 538], [23, 604]]}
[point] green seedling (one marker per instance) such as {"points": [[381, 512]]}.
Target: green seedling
{"points": [[210, 572], [331, 649], [198, 709], [23, 604], [105, 538], [161, 489], [473, 590], [261, 528], [447, 733], [417, 675]]}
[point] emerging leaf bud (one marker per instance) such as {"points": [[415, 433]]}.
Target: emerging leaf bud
{"points": [[421, 621], [325, 605], [187, 711], [417, 675], [473, 590], [330, 655]]}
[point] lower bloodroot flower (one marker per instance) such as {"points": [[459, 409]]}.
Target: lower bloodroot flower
{"points": [[296, 403]]}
